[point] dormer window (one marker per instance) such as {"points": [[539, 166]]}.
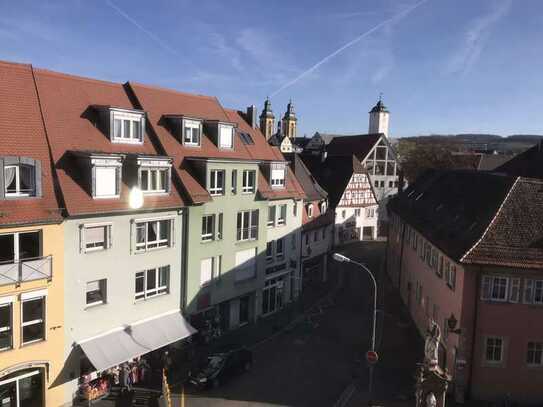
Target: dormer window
{"points": [[127, 127], [19, 177], [226, 136], [154, 175], [192, 132], [277, 176], [19, 180], [106, 177]]}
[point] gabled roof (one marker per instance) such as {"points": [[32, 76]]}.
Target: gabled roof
{"points": [[514, 238], [333, 174], [359, 145], [526, 164], [312, 189], [489, 162], [68, 104], [22, 134], [159, 102], [452, 208]]}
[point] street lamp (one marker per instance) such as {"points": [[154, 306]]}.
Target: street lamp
{"points": [[344, 259]]}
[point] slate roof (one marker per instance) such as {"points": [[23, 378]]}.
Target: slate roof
{"points": [[22, 134], [71, 122], [159, 102], [452, 208], [515, 235], [525, 164], [359, 145], [312, 189], [489, 162], [333, 174]]}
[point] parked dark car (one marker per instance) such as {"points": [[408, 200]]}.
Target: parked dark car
{"points": [[221, 366]]}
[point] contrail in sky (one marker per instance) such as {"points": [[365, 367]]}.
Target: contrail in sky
{"points": [[156, 39], [396, 17]]}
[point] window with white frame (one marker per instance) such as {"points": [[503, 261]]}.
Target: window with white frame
{"points": [[153, 234], [247, 225], [226, 136], [493, 350], [152, 282], [271, 216], [533, 291], [19, 246], [496, 288], [249, 182], [6, 325], [245, 264], [216, 182], [96, 237], [96, 292], [534, 356], [19, 180], [154, 180], [278, 178], [343, 214], [282, 218], [106, 181], [310, 210], [280, 248], [33, 320], [323, 207], [192, 130], [208, 228], [357, 212], [128, 127]]}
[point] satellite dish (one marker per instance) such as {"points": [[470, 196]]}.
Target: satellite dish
{"points": [[135, 198]]}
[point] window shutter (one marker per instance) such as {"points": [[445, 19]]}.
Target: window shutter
{"points": [[219, 226], [142, 134], [172, 232], [118, 175], [453, 277], [169, 180], [38, 177], [81, 239], [109, 236], [528, 291], [93, 181], [109, 125], [2, 187], [514, 290]]}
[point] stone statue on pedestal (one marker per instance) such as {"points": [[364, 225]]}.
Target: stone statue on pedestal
{"points": [[431, 346]]}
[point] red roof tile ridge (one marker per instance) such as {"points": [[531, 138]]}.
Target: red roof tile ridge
{"points": [[15, 64], [178, 92], [49, 72], [494, 219]]}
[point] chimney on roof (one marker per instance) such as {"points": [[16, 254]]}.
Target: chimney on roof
{"points": [[251, 116]]}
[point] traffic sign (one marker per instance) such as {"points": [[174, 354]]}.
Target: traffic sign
{"points": [[372, 357]]}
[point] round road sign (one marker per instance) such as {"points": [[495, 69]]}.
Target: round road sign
{"points": [[372, 357]]}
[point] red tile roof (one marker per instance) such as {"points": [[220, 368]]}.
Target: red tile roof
{"points": [[67, 102], [514, 237], [22, 134], [159, 102]]}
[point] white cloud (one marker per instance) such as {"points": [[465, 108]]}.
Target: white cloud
{"points": [[475, 38]]}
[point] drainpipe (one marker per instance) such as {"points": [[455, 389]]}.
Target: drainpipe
{"points": [[474, 328], [401, 258], [184, 261]]}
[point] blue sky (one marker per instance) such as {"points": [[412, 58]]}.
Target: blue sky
{"points": [[445, 67]]}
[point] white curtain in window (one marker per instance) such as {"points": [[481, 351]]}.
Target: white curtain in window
{"points": [[106, 181], [9, 175], [225, 136], [95, 234], [206, 270]]}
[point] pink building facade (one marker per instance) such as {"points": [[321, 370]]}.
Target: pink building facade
{"points": [[489, 279]]}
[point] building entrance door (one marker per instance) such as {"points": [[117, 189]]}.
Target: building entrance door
{"points": [[272, 295], [22, 389]]}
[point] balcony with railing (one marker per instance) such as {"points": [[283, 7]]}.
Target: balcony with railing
{"points": [[16, 272]]}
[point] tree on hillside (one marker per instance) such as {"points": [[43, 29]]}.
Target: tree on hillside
{"points": [[415, 158]]}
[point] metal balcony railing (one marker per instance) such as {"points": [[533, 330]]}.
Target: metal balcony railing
{"points": [[16, 272]]}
